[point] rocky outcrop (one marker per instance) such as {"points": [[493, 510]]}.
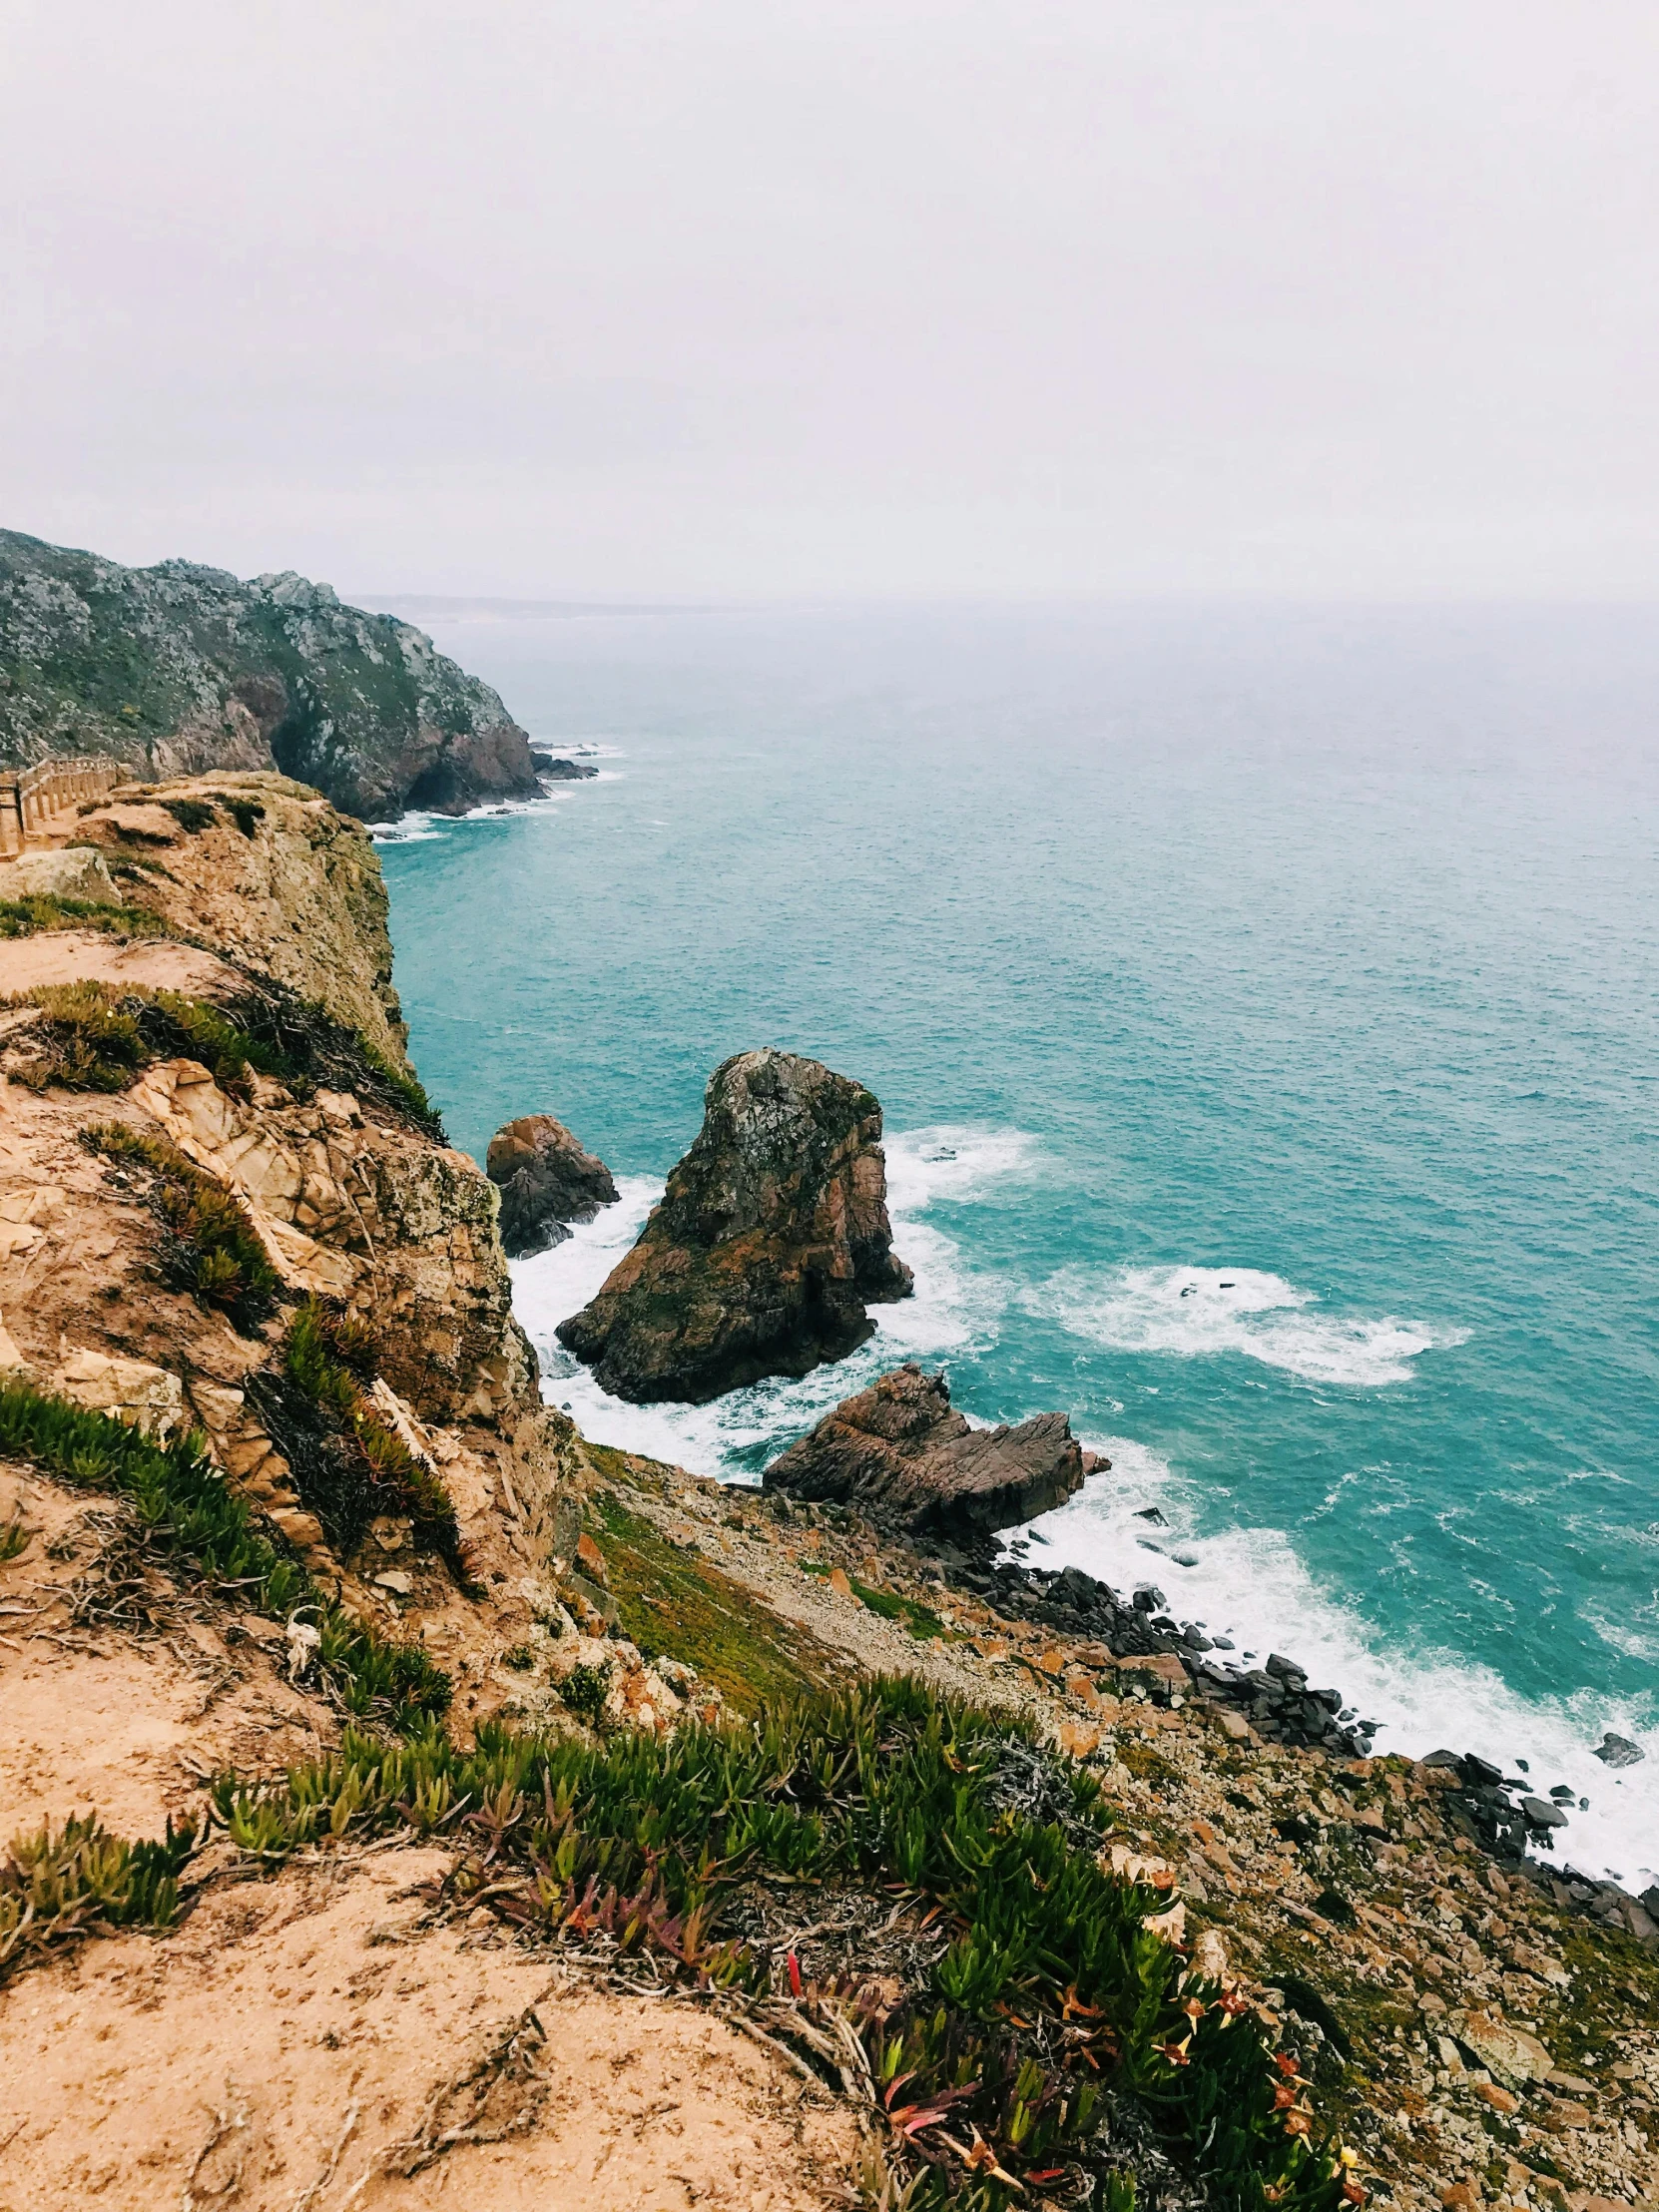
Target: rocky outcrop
{"points": [[558, 770], [546, 1181], [901, 1453], [262, 869], [180, 668], [770, 1240]]}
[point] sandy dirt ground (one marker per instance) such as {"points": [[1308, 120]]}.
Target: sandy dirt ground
{"points": [[78, 956], [304, 2044]]}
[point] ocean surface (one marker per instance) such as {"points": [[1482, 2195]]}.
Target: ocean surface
{"points": [[1265, 1005]]}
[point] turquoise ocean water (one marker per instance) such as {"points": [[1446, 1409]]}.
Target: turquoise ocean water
{"points": [[1263, 1006]]}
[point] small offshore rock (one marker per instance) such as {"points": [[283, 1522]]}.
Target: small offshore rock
{"points": [[546, 1180], [770, 1242], [1617, 1751], [901, 1453]]}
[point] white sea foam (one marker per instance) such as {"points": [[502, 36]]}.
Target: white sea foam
{"points": [[951, 1308], [952, 1161], [416, 827], [1193, 1311], [1249, 1584]]}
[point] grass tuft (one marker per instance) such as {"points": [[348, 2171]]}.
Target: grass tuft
{"points": [[21, 918], [60, 1883], [15, 1538], [185, 1509], [95, 1037]]}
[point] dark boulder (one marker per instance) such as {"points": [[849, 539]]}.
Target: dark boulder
{"points": [[770, 1242], [900, 1452], [1617, 1751], [546, 1181]]}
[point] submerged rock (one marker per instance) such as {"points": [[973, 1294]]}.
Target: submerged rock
{"points": [[770, 1240], [546, 1181], [559, 769], [903, 1452]]}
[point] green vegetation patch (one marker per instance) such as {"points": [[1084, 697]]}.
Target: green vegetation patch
{"points": [[210, 1247], [246, 813], [188, 1512], [60, 1883], [921, 1624], [672, 1601], [1047, 2000], [98, 1037], [192, 814], [347, 1465], [44, 911]]}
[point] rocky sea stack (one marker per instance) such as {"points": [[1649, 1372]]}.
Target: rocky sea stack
{"points": [[179, 670], [546, 1181], [901, 1453], [770, 1240]]}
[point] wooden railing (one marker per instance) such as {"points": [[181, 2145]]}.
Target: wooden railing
{"points": [[31, 799]]}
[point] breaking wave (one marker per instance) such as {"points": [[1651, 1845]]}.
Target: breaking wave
{"points": [[1192, 1311]]}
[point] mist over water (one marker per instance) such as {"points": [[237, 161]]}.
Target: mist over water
{"points": [[1264, 1009]]}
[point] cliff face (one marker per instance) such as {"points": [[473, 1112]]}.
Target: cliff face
{"points": [[178, 669], [207, 1119]]}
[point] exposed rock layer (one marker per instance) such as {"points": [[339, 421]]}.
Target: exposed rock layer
{"points": [[903, 1453], [770, 1240], [546, 1181], [180, 668]]}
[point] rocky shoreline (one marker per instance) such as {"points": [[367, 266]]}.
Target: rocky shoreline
{"points": [[302, 1579]]}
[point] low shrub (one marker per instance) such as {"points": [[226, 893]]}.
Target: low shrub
{"points": [[585, 1690], [192, 814], [246, 813], [348, 1466], [210, 1247]]}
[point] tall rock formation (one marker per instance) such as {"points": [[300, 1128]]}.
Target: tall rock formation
{"points": [[546, 1181], [901, 1453], [180, 668], [770, 1240]]}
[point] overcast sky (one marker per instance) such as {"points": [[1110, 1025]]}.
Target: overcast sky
{"points": [[741, 297]]}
